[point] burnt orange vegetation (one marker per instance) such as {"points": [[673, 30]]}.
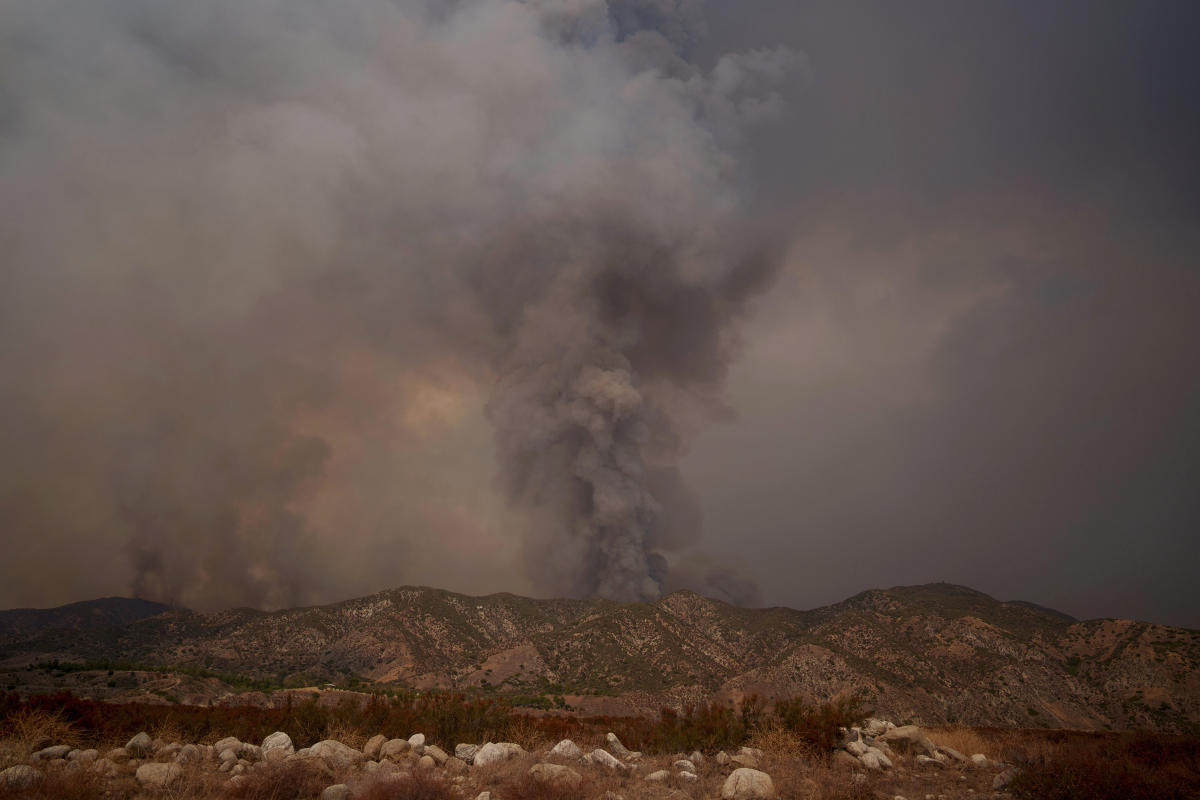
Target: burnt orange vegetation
{"points": [[448, 718], [1129, 766]]}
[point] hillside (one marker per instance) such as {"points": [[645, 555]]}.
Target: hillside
{"points": [[934, 654]]}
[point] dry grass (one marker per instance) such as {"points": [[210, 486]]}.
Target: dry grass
{"points": [[29, 730], [967, 741], [345, 733], [783, 744], [416, 785], [291, 780], [79, 784]]}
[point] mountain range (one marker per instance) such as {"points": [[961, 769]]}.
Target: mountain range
{"points": [[931, 654]]}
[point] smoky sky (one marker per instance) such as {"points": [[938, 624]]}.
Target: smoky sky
{"points": [[777, 301]]}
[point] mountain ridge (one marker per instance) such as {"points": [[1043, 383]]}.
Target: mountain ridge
{"points": [[932, 652]]}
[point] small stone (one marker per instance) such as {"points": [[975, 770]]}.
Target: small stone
{"points": [[566, 749], [48, 753], [466, 752], [556, 776], [658, 775], [689, 777], [426, 762], [926, 761], [339, 791], [417, 743], [140, 745], [696, 757], [614, 744], [494, 752], [855, 748], [748, 784], [722, 758], [278, 741], [605, 759], [979, 760], [1004, 779], [456, 766], [436, 753], [22, 776], [684, 765], [372, 748], [484, 796], [159, 776], [188, 754], [394, 749]]}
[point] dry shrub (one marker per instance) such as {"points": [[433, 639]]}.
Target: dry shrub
{"points": [[836, 784], [1127, 767], [967, 741], [59, 784], [783, 744], [415, 785], [290, 780], [525, 787], [31, 729], [346, 733]]}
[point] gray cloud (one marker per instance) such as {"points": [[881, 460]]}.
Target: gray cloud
{"points": [[247, 239]]}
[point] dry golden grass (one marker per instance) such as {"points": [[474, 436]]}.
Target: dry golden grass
{"points": [[345, 733], [781, 744], [29, 730], [967, 741]]}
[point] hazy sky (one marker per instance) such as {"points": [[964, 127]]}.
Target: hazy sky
{"points": [[776, 300]]}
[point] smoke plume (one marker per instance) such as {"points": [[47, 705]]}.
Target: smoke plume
{"points": [[260, 253]]}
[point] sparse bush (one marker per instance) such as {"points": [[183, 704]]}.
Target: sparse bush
{"points": [[417, 785], [1126, 767], [290, 780]]}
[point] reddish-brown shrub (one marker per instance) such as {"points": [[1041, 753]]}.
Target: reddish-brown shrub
{"points": [[416, 785], [291, 780]]}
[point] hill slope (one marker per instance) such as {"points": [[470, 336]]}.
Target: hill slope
{"points": [[935, 653]]}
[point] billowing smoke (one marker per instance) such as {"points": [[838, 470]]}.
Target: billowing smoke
{"points": [[259, 253]]}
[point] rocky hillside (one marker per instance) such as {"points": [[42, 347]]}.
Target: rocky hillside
{"points": [[929, 654], [87, 615]]}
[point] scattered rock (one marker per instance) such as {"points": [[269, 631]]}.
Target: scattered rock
{"points": [[556, 775], [856, 748], [159, 776], [722, 758], [466, 752], [456, 766], [188, 754], [278, 741], [426, 762], [696, 757], [744, 760], [689, 777], [605, 759], [339, 791], [22, 776], [909, 739], [140, 746], [875, 759], [495, 752], [566, 749], [227, 756], [979, 760], [876, 727], [118, 755], [48, 753], [437, 754], [337, 753], [484, 796], [926, 761], [417, 742], [614, 744], [371, 749], [1004, 779], [228, 743], [953, 754], [748, 784], [658, 775], [844, 759], [394, 749]]}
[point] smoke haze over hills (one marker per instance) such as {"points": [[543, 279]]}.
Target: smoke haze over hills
{"points": [[773, 301]]}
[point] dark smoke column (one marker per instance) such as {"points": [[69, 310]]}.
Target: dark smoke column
{"points": [[615, 301]]}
